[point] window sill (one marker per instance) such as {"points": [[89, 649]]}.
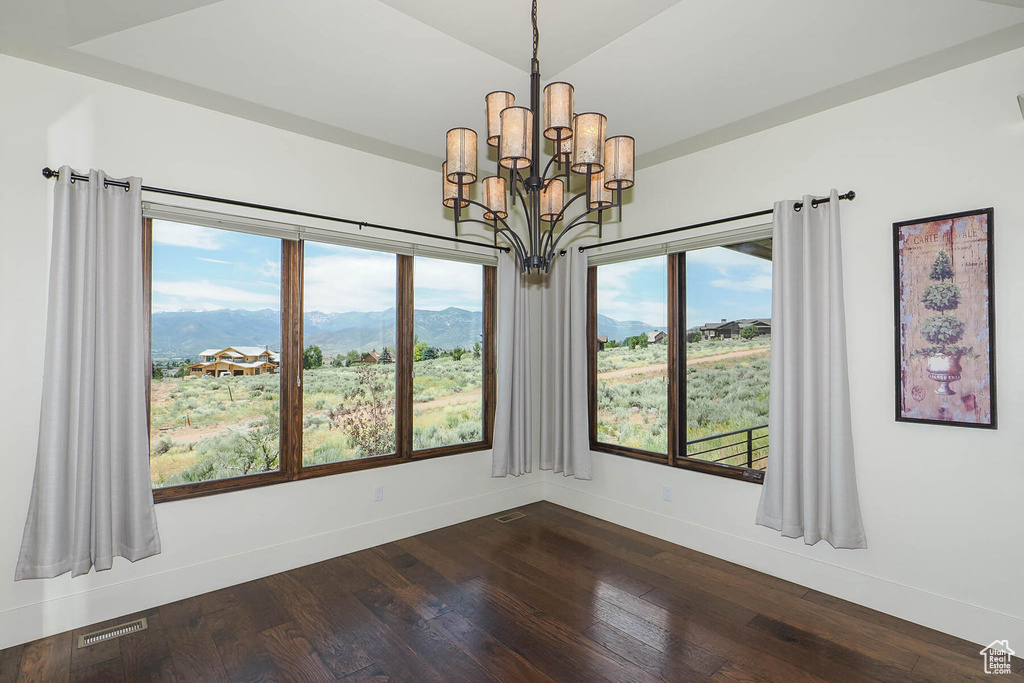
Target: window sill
{"points": [[686, 463]]}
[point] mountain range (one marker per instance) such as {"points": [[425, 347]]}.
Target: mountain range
{"points": [[183, 334], [617, 330]]}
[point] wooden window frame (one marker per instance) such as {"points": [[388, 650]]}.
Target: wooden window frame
{"points": [[290, 444], [676, 456]]}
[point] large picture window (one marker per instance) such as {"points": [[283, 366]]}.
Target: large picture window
{"points": [[276, 359], [216, 345], [680, 354], [448, 379]]}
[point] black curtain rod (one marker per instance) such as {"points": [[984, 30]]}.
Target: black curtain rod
{"points": [[798, 206], [50, 173]]}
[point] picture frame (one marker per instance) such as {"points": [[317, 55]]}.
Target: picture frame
{"points": [[944, 306]]}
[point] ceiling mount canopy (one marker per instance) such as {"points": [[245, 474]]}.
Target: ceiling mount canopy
{"points": [[602, 166]]}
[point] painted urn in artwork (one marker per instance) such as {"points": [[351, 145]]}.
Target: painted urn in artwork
{"points": [[943, 331]]}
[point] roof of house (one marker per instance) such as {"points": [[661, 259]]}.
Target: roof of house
{"points": [[603, 339], [742, 322], [653, 336], [240, 351]]}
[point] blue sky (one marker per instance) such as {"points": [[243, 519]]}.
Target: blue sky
{"points": [[198, 268], [720, 283]]}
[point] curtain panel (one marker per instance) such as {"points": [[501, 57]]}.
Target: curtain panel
{"points": [[513, 427], [91, 497], [564, 427], [810, 485]]}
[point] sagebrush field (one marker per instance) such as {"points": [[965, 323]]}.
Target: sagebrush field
{"points": [[726, 390], [207, 428]]}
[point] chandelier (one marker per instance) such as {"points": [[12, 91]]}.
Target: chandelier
{"points": [[580, 150]]}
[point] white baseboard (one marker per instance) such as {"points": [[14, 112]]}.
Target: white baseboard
{"points": [[970, 622], [64, 613]]}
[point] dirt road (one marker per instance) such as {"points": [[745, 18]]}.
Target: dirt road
{"points": [[657, 369]]}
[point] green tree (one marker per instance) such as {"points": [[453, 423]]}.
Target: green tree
{"points": [[385, 357], [338, 361], [750, 332], [351, 357], [637, 342], [694, 337], [312, 357], [476, 350], [429, 353], [943, 330], [458, 352]]}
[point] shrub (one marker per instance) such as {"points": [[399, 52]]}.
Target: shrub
{"points": [[749, 332]]}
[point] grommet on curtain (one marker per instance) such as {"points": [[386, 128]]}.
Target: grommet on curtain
{"points": [[798, 207]]}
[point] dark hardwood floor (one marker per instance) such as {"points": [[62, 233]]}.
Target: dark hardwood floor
{"points": [[554, 596]]}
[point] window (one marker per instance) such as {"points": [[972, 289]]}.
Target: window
{"points": [[632, 363], [348, 360], [216, 342], [275, 358], [729, 291], [679, 358], [448, 381]]}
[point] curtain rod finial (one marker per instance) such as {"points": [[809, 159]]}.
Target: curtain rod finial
{"points": [[49, 172], [851, 195]]}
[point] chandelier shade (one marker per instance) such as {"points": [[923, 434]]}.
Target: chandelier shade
{"points": [[450, 191], [495, 190], [496, 102], [585, 165], [516, 149], [558, 98], [461, 158], [588, 142], [600, 195], [552, 199], [618, 162]]}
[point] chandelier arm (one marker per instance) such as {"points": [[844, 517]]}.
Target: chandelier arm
{"points": [[574, 225], [473, 202], [561, 214]]}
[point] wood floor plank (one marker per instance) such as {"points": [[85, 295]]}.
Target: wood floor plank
{"points": [[293, 655], [190, 640], [352, 620], [554, 596], [343, 657], [502, 662], [145, 655], [10, 663], [47, 659], [668, 668], [420, 635], [556, 649], [106, 671]]}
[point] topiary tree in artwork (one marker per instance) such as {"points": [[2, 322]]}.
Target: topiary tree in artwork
{"points": [[943, 330]]}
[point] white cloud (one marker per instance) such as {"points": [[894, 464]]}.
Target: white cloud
{"points": [[440, 284], [204, 295], [342, 280], [214, 260], [185, 235], [754, 283]]}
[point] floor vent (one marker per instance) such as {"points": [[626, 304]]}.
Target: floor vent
{"points": [[510, 517], [112, 632]]}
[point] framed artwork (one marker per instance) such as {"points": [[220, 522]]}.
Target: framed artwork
{"points": [[945, 320]]}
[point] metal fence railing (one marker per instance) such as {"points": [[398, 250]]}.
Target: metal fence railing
{"points": [[748, 449]]}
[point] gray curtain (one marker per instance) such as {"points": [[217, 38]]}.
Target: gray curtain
{"points": [[91, 496], [564, 424], [810, 486], [513, 428]]}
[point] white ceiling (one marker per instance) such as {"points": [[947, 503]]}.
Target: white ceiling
{"points": [[391, 76]]}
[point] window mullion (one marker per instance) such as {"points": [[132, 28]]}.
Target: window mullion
{"points": [[404, 358], [291, 358]]}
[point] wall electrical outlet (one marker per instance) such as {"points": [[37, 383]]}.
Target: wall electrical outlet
{"points": [[378, 493], [666, 493]]}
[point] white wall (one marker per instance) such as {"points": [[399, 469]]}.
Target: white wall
{"points": [[50, 117], [942, 505]]}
